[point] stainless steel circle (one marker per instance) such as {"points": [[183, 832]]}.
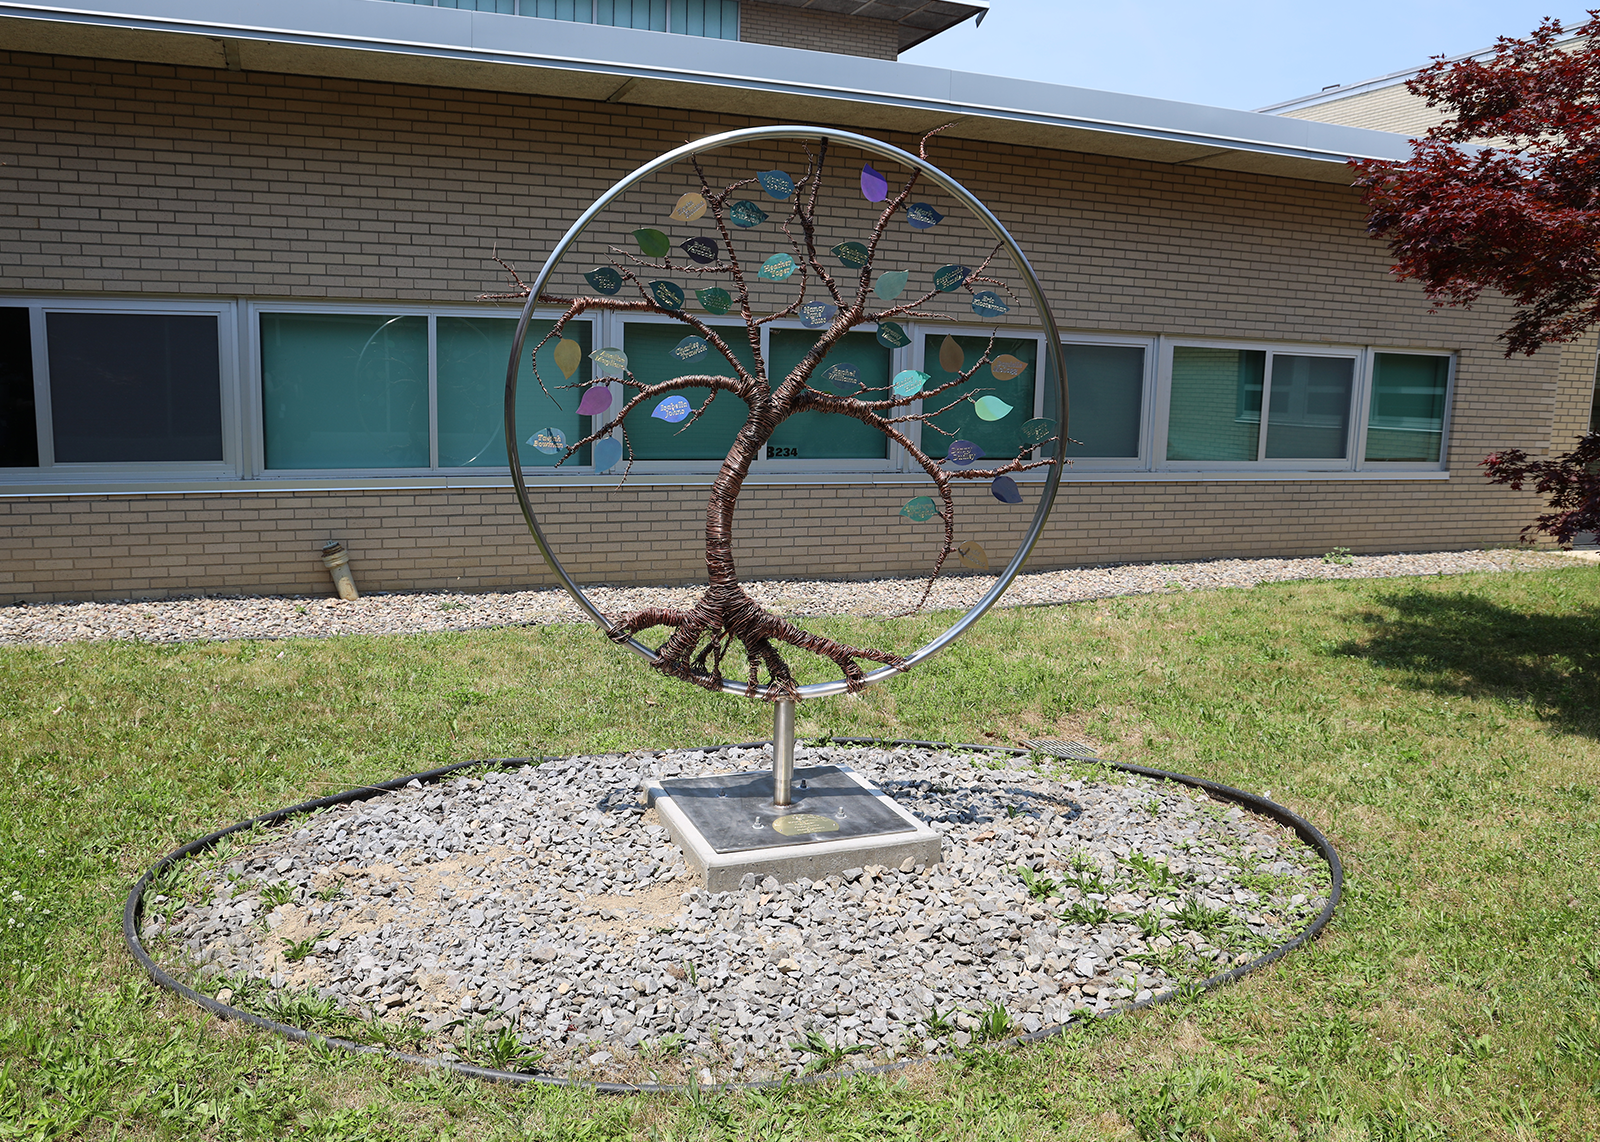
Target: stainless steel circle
{"points": [[1053, 371]]}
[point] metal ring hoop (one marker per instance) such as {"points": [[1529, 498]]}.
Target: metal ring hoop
{"points": [[1054, 370]]}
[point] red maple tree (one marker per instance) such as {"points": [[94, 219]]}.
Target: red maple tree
{"points": [[1519, 213]]}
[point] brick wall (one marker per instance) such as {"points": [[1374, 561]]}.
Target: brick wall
{"points": [[139, 179], [817, 31]]}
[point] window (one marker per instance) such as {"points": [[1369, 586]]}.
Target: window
{"points": [[718, 19], [827, 435], [87, 386], [649, 346], [1408, 402], [19, 429], [410, 391], [1105, 400], [1009, 375]]}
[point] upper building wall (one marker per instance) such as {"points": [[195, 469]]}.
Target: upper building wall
{"points": [[1390, 108], [818, 31]]}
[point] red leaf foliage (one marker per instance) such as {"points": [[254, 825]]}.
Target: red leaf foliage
{"points": [[1521, 214], [1570, 482]]}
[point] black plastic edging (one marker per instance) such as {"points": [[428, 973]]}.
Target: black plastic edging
{"points": [[134, 909]]}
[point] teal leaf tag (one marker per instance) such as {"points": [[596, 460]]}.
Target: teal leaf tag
{"points": [[606, 453], [668, 295], [851, 254], [963, 452], [778, 267], [746, 214], [1005, 490], [891, 336], [891, 284], [987, 303], [948, 279], [1035, 432], [777, 184], [909, 382], [874, 187], [548, 440], [690, 349], [714, 300], [596, 399], [672, 410], [919, 508], [604, 279], [922, 216], [702, 250], [612, 362], [652, 243], [817, 314], [991, 408]]}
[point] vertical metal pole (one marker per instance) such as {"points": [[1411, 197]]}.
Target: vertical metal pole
{"points": [[782, 750]]}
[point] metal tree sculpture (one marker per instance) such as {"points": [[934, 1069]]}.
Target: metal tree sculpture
{"points": [[702, 637]]}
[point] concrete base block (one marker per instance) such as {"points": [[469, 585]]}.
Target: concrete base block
{"points": [[727, 826]]}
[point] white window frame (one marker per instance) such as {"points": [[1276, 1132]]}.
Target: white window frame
{"points": [[255, 429], [49, 471]]}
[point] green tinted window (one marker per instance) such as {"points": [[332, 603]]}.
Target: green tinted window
{"points": [[822, 435], [1215, 410], [649, 348], [344, 391], [1406, 421], [472, 357], [998, 438], [1105, 395]]}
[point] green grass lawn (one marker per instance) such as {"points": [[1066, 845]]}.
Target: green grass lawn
{"points": [[1442, 732]]}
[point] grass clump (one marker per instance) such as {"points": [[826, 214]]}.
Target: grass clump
{"points": [[1444, 733]]}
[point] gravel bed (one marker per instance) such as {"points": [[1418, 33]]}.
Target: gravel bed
{"points": [[213, 618], [540, 919]]}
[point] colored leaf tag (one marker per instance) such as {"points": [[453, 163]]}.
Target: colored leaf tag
{"points": [[947, 279], [668, 295], [919, 508], [777, 184], [568, 356], [1037, 431], [1005, 490], [951, 356], [1007, 367], [852, 254], [892, 336], [690, 349], [548, 440], [596, 399], [874, 187], [963, 452], [672, 410], [891, 284], [745, 213], [909, 382], [690, 208], [714, 300], [778, 267], [818, 314], [844, 379], [991, 408], [612, 362], [702, 250], [652, 243], [604, 279], [987, 303], [921, 216], [972, 554], [606, 453]]}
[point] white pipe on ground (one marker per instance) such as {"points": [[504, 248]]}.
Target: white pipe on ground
{"points": [[337, 560]]}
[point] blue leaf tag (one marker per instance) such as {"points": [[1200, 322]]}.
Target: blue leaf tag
{"points": [[672, 410]]}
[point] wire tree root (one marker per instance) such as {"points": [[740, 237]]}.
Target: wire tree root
{"points": [[702, 637]]}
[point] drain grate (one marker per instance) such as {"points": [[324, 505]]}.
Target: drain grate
{"points": [[1065, 749]]}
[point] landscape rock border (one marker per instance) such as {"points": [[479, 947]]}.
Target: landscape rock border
{"points": [[134, 908]]}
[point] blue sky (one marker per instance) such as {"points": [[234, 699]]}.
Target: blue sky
{"points": [[1226, 53]]}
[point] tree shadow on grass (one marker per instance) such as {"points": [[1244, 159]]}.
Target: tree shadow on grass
{"points": [[1459, 643]]}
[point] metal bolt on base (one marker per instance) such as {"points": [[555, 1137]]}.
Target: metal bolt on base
{"points": [[782, 750]]}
